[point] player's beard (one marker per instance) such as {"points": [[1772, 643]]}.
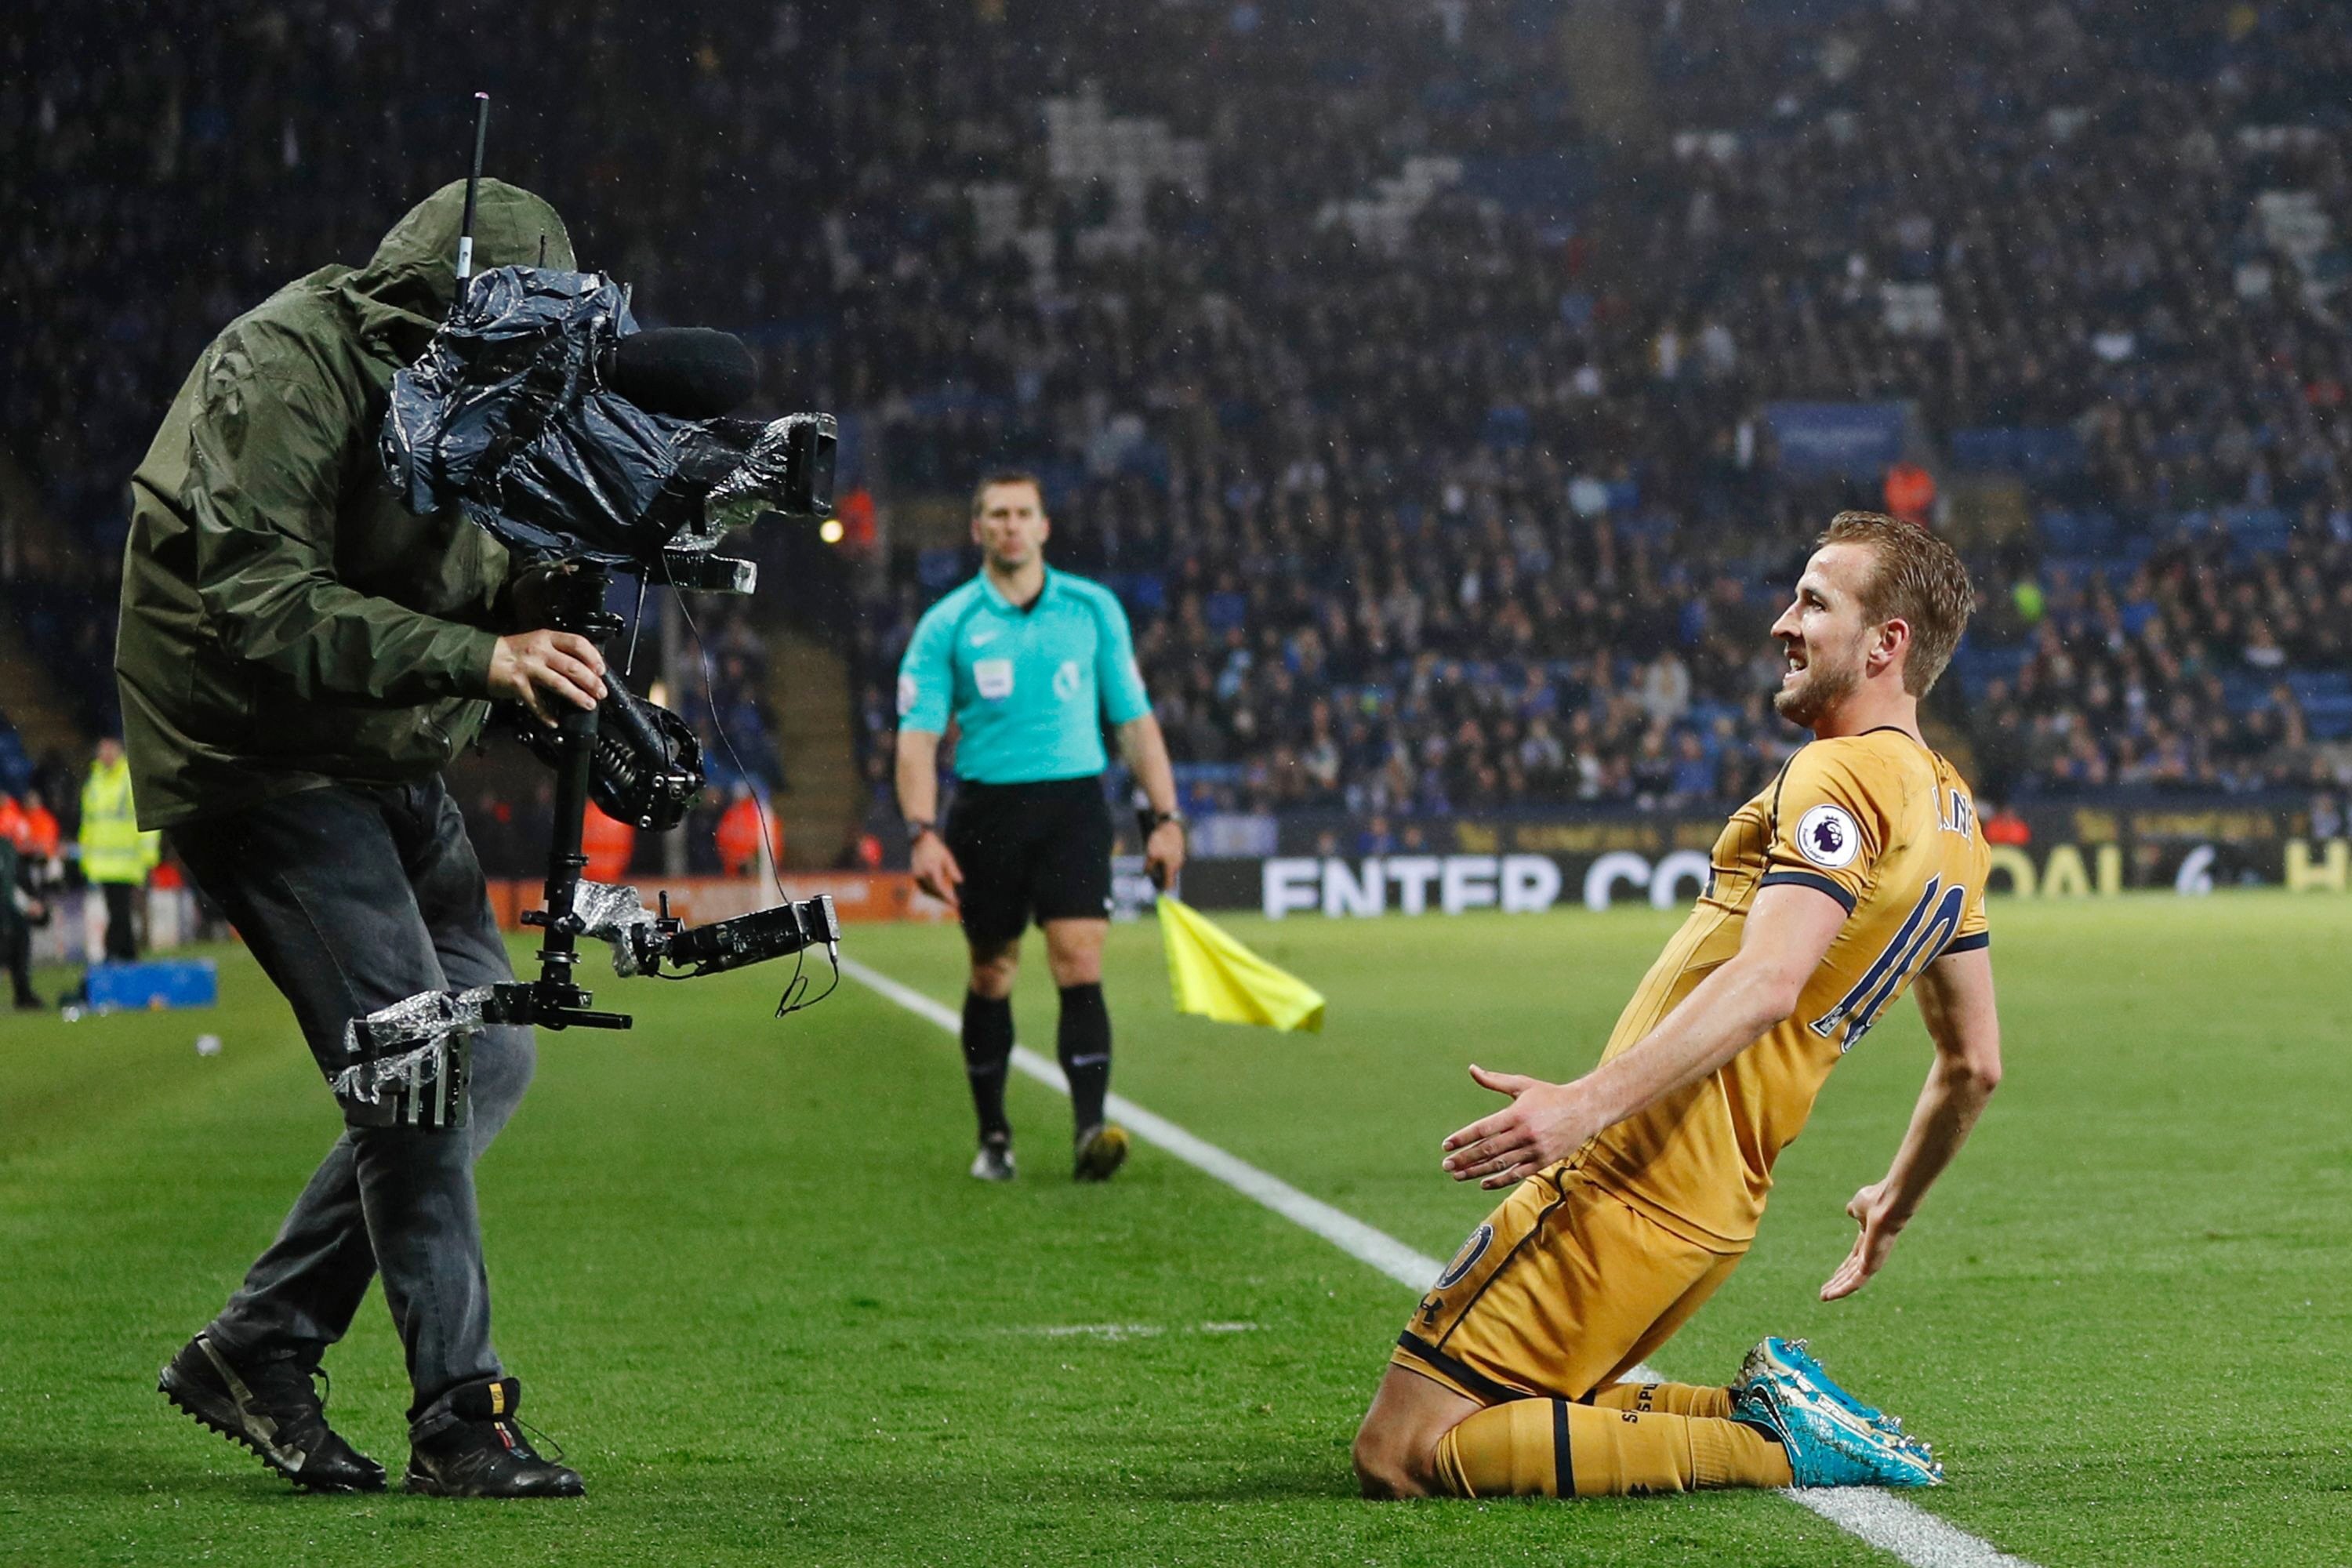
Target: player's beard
{"points": [[1822, 684]]}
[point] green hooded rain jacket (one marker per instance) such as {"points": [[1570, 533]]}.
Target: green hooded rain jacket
{"points": [[287, 623]]}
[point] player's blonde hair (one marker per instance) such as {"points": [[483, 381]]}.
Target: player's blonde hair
{"points": [[1919, 581]]}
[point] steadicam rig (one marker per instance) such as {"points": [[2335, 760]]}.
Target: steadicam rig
{"points": [[643, 939], [411, 1059], [543, 413]]}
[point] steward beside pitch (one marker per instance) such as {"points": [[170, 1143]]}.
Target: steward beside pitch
{"points": [[1028, 663], [116, 857]]}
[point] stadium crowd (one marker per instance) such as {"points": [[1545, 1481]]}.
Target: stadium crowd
{"points": [[1471, 669], [1430, 448], [1487, 516]]}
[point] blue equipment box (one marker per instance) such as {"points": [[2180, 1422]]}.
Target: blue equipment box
{"points": [[160, 983]]}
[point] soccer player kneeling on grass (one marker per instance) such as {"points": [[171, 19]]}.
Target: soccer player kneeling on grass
{"points": [[1029, 662], [1859, 871]]}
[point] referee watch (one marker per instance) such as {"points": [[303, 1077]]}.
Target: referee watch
{"points": [[918, 826]]}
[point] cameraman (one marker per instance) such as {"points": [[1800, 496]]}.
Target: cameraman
{"points": [[299, 657]]}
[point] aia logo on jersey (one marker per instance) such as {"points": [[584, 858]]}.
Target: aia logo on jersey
{"points": [[1828, 836]]}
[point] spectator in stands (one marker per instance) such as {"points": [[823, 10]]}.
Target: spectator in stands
{"points": [[1694, 776], [739, 835], [1469, 437], [43, 839], [1910, 493], [2003, 825], [2327, 816]]}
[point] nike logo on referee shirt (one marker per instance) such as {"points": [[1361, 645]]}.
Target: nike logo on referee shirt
{"points": [[983, 637]]}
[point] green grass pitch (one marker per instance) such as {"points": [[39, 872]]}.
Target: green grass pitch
{"points": [[740, 1269]]}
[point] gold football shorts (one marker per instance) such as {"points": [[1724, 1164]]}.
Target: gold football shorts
{"points": [[1565, 1289]]}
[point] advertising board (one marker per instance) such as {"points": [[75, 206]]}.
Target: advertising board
{"points": [[1529, 865]]}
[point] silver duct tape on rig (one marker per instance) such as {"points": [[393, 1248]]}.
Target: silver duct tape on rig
{"points": [[644, 939], [618, 915], [406, 1065], [409, 1061]]}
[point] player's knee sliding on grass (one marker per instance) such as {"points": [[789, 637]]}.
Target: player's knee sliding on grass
{"points": [[1552, 1447], [1638, 1187], [1780, 1423], [1028, 664], [1506, 1382]]}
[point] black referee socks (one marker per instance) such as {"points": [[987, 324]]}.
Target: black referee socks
{"points": [[987, 1050], [1084, 1045]]}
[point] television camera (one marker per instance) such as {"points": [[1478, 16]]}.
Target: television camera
{"points": [[543, 413]]}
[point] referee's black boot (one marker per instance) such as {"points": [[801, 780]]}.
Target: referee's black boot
{"points": [[1101, 1150], [484, 1453], [271, 1407], [994, 1161]]}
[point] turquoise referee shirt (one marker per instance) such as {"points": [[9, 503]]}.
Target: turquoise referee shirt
{"points": [[1029, 685]]}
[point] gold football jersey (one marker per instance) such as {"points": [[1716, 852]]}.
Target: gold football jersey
{"points": [[1884, 827]]}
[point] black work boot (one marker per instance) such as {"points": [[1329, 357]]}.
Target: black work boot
{"points": [[485, 1454], [271, 1407]]}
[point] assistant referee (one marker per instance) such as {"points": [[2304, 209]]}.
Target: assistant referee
{"points": [[1029, 663]]}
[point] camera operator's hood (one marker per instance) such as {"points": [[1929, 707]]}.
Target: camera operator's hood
{"points": [[407, 286]]}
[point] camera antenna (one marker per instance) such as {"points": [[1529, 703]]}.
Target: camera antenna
{"points": [[473, 185]]}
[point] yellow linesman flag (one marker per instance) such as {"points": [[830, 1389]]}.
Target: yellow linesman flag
{"points": [[1218, 978]]}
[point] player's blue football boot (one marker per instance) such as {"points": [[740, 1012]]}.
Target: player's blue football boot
{"points": [[1833, 1439], [1791, 1358]]}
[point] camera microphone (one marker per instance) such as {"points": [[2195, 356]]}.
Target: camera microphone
{"points": [[688, 372]]}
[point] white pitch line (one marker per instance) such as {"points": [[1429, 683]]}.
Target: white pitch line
{"points": [[1880, 1518], [1349, 1233], [1892, 1525]]}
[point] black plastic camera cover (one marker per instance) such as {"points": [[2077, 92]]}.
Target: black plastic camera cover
{"points": [[508, 416]]}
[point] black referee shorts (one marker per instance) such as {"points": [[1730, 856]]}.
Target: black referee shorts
{"points": [[1031, 852]]}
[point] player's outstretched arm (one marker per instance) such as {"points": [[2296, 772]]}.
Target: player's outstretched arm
{"points": [[1789, 928], [1956, 999]]}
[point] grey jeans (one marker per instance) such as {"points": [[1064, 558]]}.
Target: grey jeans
{"points": [[353, 898]]}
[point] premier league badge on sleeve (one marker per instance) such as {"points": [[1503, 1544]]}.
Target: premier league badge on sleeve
{"points": [[1829, 836]]}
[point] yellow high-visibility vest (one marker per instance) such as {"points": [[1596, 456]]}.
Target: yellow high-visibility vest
{"points": [[112, 848]]}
